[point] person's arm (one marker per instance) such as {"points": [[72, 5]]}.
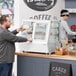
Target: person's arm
{"points": [[6, 35], [68, 30], [22, 28], [14, 32]]}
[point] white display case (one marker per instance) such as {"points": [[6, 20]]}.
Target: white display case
{"points": [[39, 33], [44, 34]]}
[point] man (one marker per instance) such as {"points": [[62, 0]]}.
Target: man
{"points": [[64, 28], [7, 45]]}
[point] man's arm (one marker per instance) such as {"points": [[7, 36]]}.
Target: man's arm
{"points": [[6, 35], [19, 29], [14, 32]]}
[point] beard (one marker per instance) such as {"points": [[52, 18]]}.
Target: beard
{"points": [[8, 26]]}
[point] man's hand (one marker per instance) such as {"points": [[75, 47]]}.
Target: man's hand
{"points": [[29, 32], [22, 28], [30, 39], [25, 27]]}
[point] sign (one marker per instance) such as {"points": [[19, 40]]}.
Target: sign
{"points": [[60, 69], [40, 5], [37, 9]]}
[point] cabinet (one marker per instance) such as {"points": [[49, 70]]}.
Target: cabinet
{"points": [[71, 6], [34, 66]]}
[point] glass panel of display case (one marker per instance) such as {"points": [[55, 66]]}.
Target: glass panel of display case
{"points": [[28, 24], [54, 31], [41, 31], [40, 35]]}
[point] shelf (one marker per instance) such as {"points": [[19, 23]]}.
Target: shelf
{"points": [[71, 10]]}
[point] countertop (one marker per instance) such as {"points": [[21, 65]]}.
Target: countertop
{"points": [[39, 55]]}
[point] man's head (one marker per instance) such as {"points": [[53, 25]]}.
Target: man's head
{"points": [[5, 21], [65, 14]]}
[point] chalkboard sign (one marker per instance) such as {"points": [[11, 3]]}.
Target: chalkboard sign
{"points": [[60, 69]]}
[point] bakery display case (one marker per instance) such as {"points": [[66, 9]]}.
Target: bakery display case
{"points": [[44, 34], [39, 34]]}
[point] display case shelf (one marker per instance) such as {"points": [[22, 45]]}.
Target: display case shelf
{"points": [[71, 10]]}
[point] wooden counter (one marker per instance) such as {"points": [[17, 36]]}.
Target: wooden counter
{"points": [[34, 64], [66, 57]]}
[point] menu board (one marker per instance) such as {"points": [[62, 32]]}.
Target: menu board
{"points": [[60, 69]]}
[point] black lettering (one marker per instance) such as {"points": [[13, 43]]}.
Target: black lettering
{"points": [[43, 16], [40, 16], [35, 17]]}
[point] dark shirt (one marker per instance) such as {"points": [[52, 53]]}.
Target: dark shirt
{"points": [[7, 45]]}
